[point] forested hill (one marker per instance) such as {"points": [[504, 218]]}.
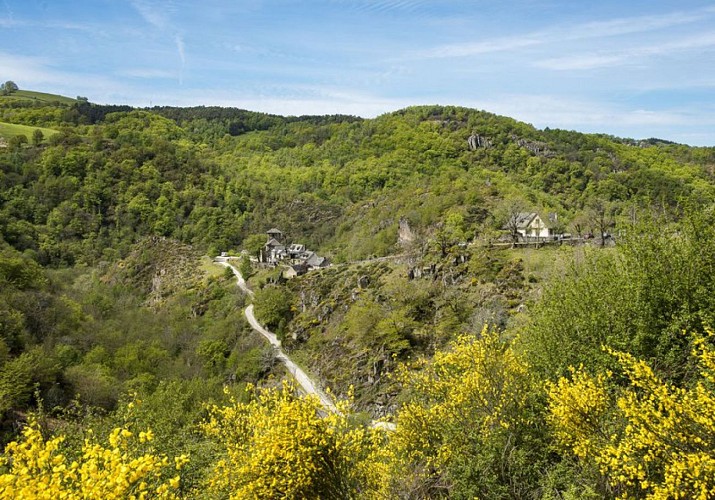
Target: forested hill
{"points": [[127, 366], [212, 176]]}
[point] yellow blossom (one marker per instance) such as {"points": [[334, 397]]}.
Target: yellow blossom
{"points": [[650, 437]]}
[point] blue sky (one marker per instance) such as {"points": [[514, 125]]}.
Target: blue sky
{"points": [[629, 68]]}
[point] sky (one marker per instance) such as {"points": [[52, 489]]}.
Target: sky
{"points": [[628, 68]]}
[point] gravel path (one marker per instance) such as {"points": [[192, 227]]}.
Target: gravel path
{"points": [[305, 382]]}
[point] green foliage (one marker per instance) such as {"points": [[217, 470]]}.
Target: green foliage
{"points": [[638, 300], [9, 87], [273, 307], [254, 243], [245, 267], [649, 439]]}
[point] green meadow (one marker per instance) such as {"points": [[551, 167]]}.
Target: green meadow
{"points": [[10, 130], [40, 96]]}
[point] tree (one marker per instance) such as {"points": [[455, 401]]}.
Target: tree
{"points": [[450, 233], [16, 142], [508, 215], [254, 243], [245, 267], [9, 87], [601, 217], [37, 137], [637, 299], [273, 307]]}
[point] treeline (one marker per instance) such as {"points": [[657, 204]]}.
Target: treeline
{"points": [[241, 121]]}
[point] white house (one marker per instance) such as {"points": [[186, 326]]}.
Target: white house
{"points": [[531, 225]]}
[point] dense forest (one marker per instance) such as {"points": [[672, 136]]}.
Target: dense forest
{"points": [[128, 370]]}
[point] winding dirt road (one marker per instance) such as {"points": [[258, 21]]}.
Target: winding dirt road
{"points": [[303, 380]]}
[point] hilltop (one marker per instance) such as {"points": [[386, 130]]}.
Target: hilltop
{"points": [[39, 97]]}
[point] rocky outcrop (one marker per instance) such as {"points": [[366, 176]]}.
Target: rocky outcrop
{"points": [[159, 267], [535, 147], [476, 141], [404, 232]]}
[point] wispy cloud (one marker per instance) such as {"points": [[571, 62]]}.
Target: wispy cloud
{"points": [[147, 73], [182, 56], [158, 14], [7, 9], [560, 34], [12, 22], [640, 24], [36, 72], [382, 6], [586, 115], [152, 12], [484, 47], [627, 56]]}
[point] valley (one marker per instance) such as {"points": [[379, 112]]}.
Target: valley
{"points": [[514, 307]]}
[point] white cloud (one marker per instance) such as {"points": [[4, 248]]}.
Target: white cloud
{"points": [[483, 47], [282, 100], [147, 73], [158, 14], [152, 12], [382, 6], [544, 110], [560, 34], [11, 22], [40, 74], [182, 56], [7, 9], [640, 24], [627, 56]]}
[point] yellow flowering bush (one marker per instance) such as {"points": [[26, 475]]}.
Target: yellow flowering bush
{"points": [[651, 439], [462, 431], [279, 445], [37, 469]]}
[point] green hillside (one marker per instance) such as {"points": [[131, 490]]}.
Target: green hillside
{"points": [[580, 367], [40, 97], [10, 130]]}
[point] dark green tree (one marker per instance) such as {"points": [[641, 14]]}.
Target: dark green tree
{"points": [[37, 137]]}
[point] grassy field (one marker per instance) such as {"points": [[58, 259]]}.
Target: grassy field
{"points": [[8, 130], [210, 267], [39, 96]]}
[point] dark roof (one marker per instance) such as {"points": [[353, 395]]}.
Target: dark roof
{"points": [[523, 219]]}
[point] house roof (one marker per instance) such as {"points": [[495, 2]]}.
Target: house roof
{"points": [[274, 231], [314, 260], [274, 243], [523, 219]]}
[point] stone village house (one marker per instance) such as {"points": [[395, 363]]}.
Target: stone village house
{"points": [[299, 259]]}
